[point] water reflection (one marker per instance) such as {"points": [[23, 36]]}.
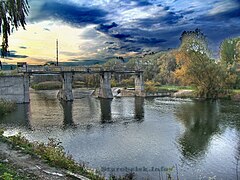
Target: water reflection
{"points": [[201, 122], [106, 115], [237, 158], [208, 146], [19, 117], [121, 109], [139, 108], [68, 115]]}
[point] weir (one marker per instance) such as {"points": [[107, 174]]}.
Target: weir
{"points": [[16, 88]]}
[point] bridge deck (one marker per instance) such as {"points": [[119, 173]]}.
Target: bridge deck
{"points": [[75, 69]]}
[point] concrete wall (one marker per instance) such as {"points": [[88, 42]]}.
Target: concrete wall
{"points": [[15, 88]]}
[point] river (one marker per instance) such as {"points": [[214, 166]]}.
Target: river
{"points": [[152, 136]]}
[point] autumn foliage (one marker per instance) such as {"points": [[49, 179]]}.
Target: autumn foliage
{"points": [[196, 68]]}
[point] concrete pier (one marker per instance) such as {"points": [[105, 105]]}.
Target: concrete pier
{"points": [[15, 88], [105, 85], [26, 85], [139, 84], [66, 93]]}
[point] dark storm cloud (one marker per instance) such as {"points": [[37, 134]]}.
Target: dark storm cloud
{"points": [[183, 13], [22, 47], [143, 3], [106, 27], [70, 13], [123, 48], [109, 42], [46, 29], [120, 36], [13, 54], [135, 25], [170, 18], [148, 41], [138, 2]]}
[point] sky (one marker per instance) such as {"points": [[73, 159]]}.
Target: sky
{"points": [[100, 29]]}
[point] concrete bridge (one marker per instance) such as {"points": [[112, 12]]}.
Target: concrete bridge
{"points": [[67, 73]]}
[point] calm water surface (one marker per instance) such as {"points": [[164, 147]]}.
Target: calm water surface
{"points": [[197, 140]]}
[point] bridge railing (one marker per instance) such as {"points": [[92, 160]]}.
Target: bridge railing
{"points": [[82, 69]]}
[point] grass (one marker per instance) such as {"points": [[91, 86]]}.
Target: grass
{"points": [[237, 91], [9, 172], [6, 107], [1, 73], [48, 85], [79, 84], [53, 153]]}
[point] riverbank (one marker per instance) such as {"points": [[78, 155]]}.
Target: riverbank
{"points": [[20, 159]]}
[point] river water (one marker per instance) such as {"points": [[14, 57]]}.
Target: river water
{"points": [[152, 136]]}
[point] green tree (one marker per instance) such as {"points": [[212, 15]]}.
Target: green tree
{"points": [[194, 41], [227, 51], [196, 68], [12, 15], [230, 60], [157, 67], [166, 65]]}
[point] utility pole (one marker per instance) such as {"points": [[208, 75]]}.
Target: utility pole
{"points": [[57, 51]]}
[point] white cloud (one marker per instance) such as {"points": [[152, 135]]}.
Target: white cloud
{"points": [[223, 6]]}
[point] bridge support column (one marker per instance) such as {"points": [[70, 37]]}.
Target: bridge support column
{"points": [[26, 88], [105, 90], [66, 93], [139, 84]]}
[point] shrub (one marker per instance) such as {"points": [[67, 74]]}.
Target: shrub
{"points": [[150, 87], [2, 73], [127, 82], [7, 176], [48, 85], [53, 153]]}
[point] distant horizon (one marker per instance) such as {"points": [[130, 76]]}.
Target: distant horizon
{"points": [[101, 29]]}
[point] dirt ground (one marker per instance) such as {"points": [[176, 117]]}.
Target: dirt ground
{"points": [[33, 165]]}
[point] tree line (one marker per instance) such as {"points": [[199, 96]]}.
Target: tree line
{"points": [[191, 64]]}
